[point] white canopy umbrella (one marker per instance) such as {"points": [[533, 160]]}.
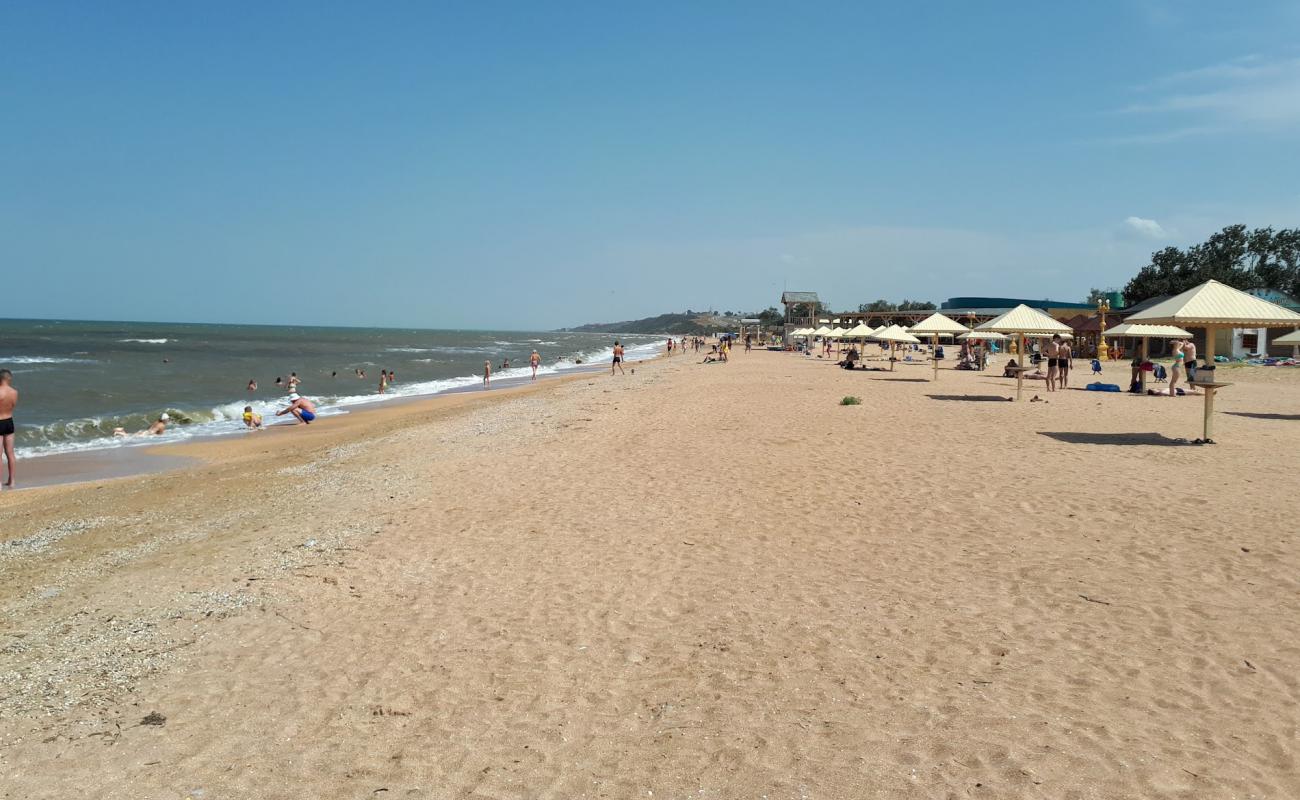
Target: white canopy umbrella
{"points": [[1212, 306], [934, 326], [988, 336], [894, 334], [1024, 321], [1292, 339], [1146, 333]]}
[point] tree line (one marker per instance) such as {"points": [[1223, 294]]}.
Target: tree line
{"points": [[1262, 258]]}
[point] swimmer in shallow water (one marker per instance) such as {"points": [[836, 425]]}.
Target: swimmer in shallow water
{"points": [[252, 420]]}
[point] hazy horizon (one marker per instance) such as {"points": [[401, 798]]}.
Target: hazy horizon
{"points": [[517, 167]]}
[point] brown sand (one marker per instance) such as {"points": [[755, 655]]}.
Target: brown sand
{"points": [[695, 581]]}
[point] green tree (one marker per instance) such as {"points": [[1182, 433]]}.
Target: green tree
{"points": [[1245, 259], [877, 305], [916, 305]]}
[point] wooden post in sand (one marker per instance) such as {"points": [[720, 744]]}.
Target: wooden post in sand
{"points": [[935, 355], [1208, 429]]}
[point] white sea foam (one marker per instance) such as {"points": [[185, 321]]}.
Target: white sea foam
{"points": [[227, 418], [148, 341], [43, 360]]}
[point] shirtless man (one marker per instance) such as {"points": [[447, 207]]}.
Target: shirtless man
{"points": [[1053, 361], [618, 359], [1065, 357], [300, 407], [8, 400], [1189, 363], [535, 361], [158, 427]]}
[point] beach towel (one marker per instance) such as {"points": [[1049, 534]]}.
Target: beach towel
{"points": [[1102, 387]]}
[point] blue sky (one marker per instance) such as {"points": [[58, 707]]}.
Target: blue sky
{"points": [[536, 165]]}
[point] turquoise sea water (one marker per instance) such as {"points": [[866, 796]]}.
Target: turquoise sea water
{"points": [[80, 380]]}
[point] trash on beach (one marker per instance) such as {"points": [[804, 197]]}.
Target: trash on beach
{"points": [[309, 543]]}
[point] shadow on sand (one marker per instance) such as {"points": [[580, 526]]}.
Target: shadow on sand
{"points": [[971, 398], [1263, 415], [902, 380], [1154, 439]]}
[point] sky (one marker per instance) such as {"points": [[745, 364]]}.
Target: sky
{"points": [[537, 165]]}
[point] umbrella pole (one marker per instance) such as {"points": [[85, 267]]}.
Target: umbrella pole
{"points": [[891, 356], [1142, 374], [1209, 390], [1020, 373], [935, 340]]}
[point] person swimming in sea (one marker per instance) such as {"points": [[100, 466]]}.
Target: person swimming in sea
{"points": [[300, 407], [252, 384]]}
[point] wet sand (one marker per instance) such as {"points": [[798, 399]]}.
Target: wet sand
{"points": [[701, 580]]}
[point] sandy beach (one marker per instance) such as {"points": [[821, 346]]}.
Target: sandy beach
{"points": [[705, 581]]}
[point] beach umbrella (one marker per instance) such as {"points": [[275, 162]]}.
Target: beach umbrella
{"points": [[894, 334], [1146, 333], [1292, 339], [1023, 321], [1213, 306], [859, 331], [934, 326], [988, 336]]}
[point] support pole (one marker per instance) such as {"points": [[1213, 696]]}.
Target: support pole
{"points": [[1209, 391], [1142, 374], [935, 339]]}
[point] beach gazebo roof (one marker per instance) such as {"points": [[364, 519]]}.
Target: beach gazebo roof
{"points": [[934, 326], [859, 331], [1291, 338], [894, 334], [988, 336], [1217, 305], [1214, 305], [1138, 329], [938, 325], [1024, 320]]}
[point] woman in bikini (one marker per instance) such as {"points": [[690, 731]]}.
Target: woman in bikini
{"points": [[1176, 369]]}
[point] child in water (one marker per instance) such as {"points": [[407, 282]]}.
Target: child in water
{"points": [[252, 420]]}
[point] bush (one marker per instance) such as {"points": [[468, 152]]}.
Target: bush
{"points": [[851, 401]]}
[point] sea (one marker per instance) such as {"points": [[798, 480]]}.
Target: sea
{"points": [[78, 381]]}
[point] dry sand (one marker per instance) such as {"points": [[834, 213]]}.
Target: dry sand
{"points": [[695, 581]]}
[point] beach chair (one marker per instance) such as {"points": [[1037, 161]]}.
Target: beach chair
{"points": [[1160, 373], [1096, 366]]}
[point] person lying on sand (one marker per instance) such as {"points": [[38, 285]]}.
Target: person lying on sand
{"points": [[300, 407], [252, 419]]}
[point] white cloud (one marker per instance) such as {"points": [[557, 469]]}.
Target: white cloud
{"points": [[1248, 94], [1146, 228]]}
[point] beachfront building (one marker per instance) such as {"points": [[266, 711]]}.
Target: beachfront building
{"points": [[1247, 342]]}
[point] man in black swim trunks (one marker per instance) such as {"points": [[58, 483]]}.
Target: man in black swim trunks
{"points": [[618, 359], [8, 401]]}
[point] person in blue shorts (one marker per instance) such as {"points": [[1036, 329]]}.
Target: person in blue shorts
{"points": [[300, 407]]}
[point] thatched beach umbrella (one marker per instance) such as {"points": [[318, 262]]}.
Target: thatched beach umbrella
{"points": [[894, 335], [1023, 321], [1213, 306], [934, 326], [1146, 333]]}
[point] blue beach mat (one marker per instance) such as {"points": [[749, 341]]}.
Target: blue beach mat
{"points": [[1102, 387]]}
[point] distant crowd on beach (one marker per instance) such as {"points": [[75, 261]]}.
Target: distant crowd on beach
{"points": [[300, 407]]}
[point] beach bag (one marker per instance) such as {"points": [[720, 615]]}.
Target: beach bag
{"points": [[1160, 373]]}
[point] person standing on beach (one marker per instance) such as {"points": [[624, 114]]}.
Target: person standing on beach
{"points": [[1065, 359], [1189, 362], [8, 402], [383, 380], [1176, 369], [1053, 361], [487, 374], [618, 359], [535, 361]]}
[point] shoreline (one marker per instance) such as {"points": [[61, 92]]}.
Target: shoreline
{"points": [[137, 459]]}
